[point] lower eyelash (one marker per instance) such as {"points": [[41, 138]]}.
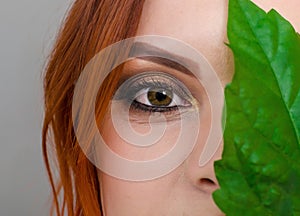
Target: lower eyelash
{"points": [[150, 109]]}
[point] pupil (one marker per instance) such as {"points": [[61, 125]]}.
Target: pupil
{"points": [[160, 97]]}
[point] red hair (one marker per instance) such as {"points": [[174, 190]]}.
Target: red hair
{"points": [[90, 26]]}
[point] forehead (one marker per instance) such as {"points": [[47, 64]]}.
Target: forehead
{"points": [[200, 23], [185, 18]]}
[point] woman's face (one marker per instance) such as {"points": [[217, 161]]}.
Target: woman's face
{"points": [[187, 190]]}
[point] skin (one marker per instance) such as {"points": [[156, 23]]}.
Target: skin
{"points": [[288, 9], [188, 189]]}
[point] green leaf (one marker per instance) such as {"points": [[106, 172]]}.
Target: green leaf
{"points": [[259, 173]]}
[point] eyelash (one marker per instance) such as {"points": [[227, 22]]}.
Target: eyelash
{"points": [[149, 80], [145, 108]]}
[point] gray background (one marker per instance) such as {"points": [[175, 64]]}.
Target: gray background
{"points": [[27, 30]]}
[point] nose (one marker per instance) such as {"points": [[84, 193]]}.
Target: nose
{"points": [[203, 177]]}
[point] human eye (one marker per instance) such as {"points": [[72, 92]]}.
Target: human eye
{"points": [[155, 92]]}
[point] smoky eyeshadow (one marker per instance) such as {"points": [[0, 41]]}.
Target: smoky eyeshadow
{"points": [[152, 79]]}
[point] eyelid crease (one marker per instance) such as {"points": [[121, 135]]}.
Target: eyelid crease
{"points": [[140, 65], [136, 66], [156, 79]]}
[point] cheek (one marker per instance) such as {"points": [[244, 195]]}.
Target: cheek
{"points": [[118, 144], [171, 194], [128, 198], [166, 139], [136, 198]]}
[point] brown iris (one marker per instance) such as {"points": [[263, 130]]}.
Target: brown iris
{"points": [[160, 97]]}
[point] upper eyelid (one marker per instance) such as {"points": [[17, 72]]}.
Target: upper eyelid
{"points": [[137, 66], [163, 80], [145, 64]]}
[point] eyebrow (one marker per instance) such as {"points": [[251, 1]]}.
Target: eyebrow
{"points": [[160, 56]]}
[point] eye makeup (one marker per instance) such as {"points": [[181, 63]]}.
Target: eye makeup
{"points": [[155, 92], [148, 88]]}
